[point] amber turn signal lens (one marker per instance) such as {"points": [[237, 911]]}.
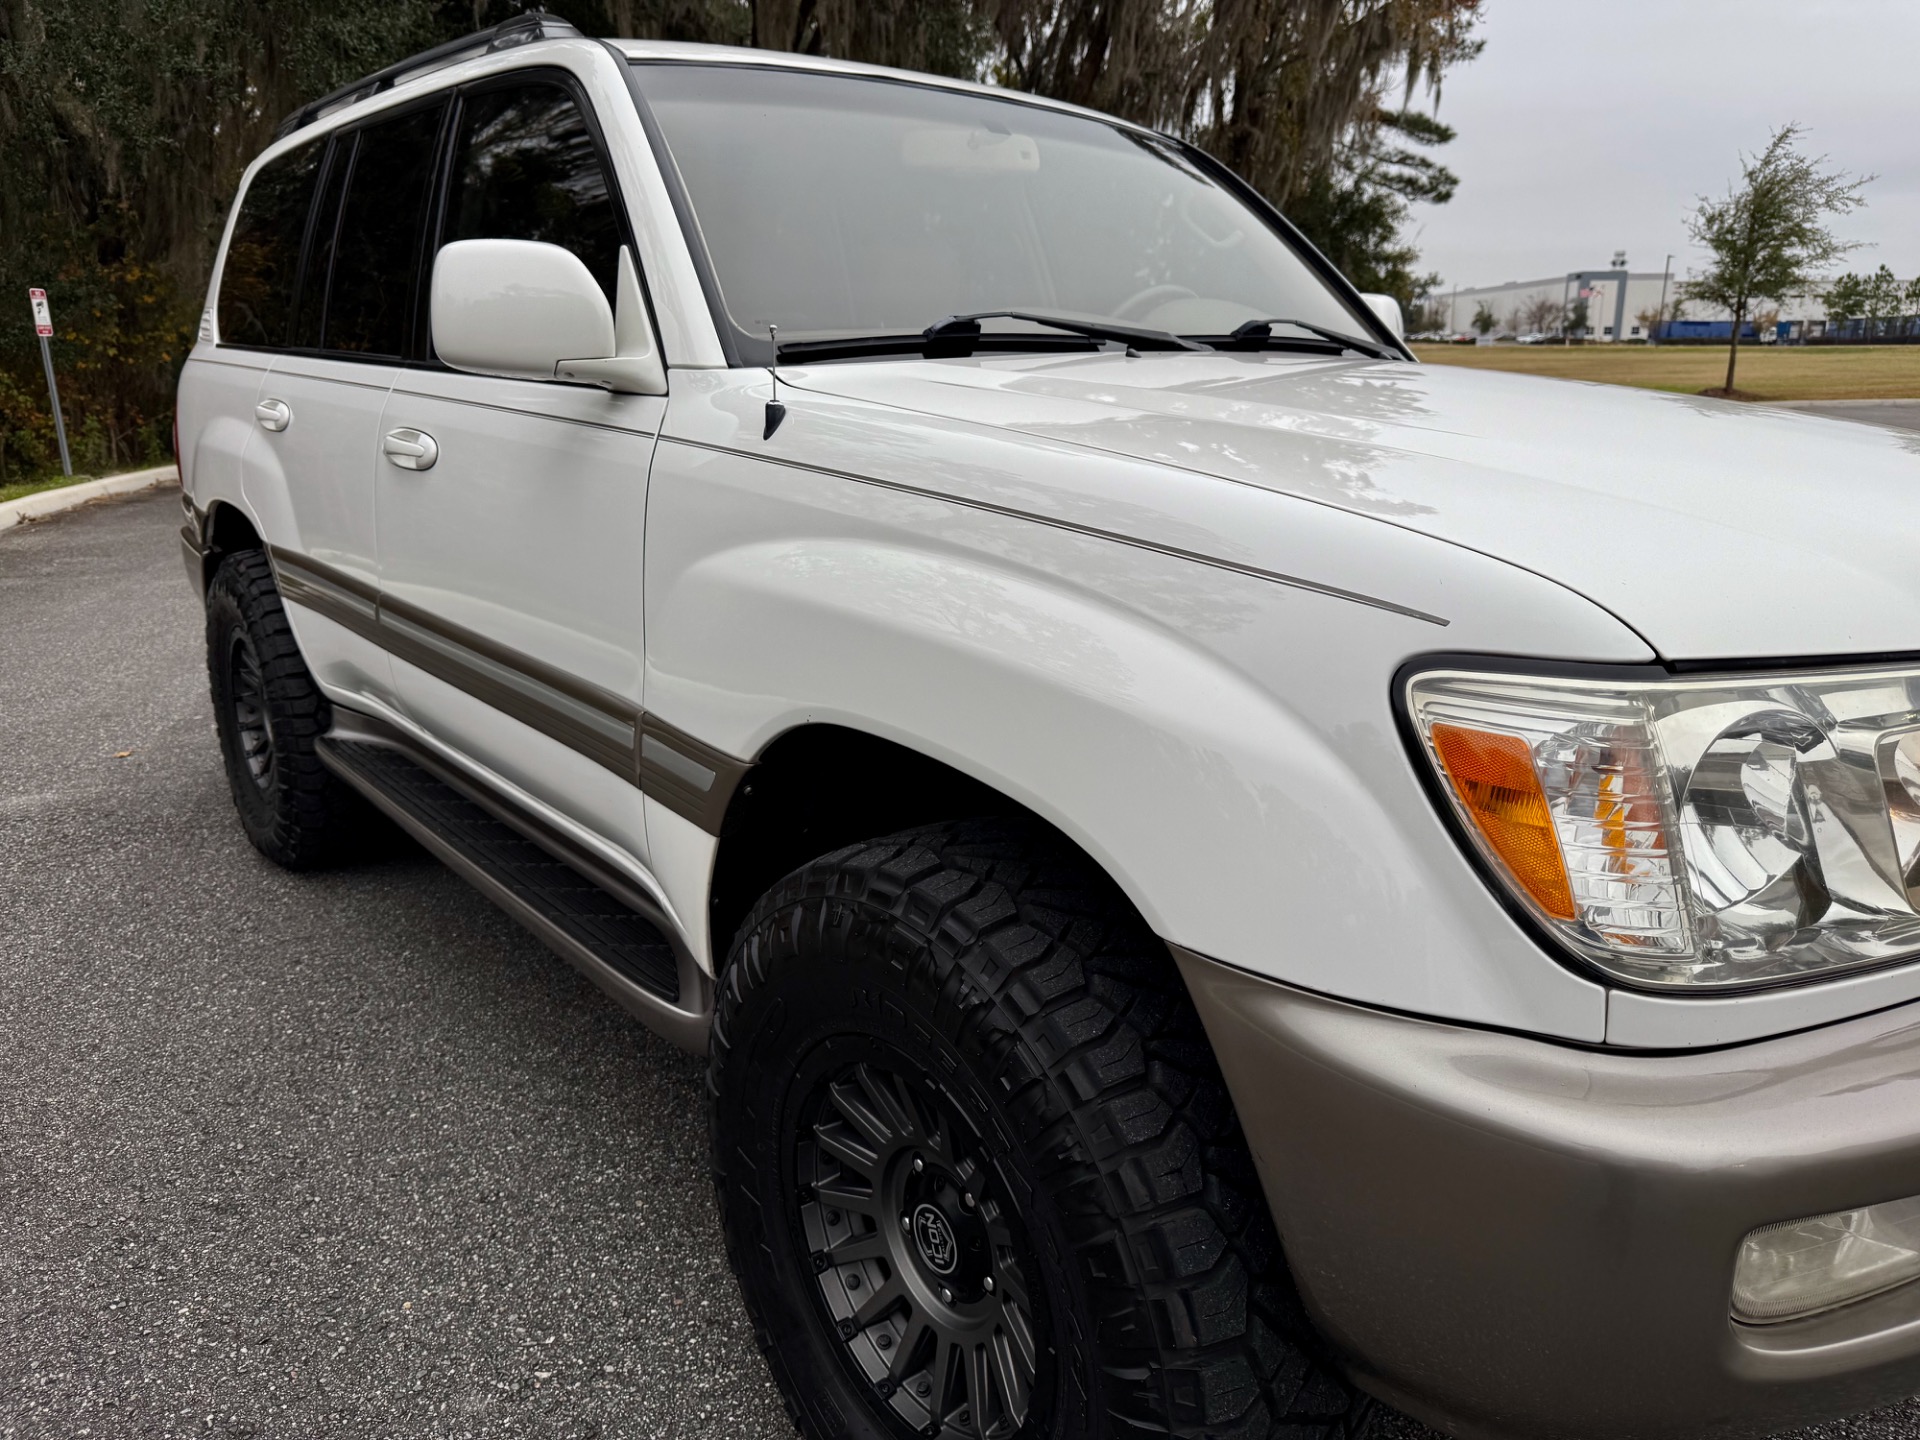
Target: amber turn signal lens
{"points": [[1494, 777]]}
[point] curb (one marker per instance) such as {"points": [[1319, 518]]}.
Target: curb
{"points": [[1899, 400], [68, 497]]}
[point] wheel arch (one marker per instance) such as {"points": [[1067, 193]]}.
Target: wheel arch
{"points": [[818, 786], [227, 530]]}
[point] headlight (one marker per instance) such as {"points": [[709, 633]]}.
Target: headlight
{"points": [[1698, 834]]}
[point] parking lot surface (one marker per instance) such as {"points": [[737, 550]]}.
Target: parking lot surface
{"points": [[332, 1155], [341, 1155]]}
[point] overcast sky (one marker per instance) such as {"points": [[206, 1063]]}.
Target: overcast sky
{"points": [[1587, 127]]}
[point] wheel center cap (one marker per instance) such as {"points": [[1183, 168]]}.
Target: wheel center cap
{"points": [[934, 1235]]}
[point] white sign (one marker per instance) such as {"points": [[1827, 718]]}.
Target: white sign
{"points": [[42, 317]]}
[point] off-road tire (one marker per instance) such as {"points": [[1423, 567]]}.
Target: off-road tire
{"points": [[295, 811], [1019, 978]]}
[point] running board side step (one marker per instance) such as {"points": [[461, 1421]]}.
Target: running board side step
{"points": [[582, 911]]}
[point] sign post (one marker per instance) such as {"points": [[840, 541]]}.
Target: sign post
{"points": [[43, 327]]}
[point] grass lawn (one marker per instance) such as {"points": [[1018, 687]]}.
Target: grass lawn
{"points": [[34, 487], [1785, 372]]}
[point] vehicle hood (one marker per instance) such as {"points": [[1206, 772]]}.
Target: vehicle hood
{"points": [[1714, 529]]}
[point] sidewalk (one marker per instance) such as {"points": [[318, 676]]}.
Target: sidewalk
{"points": [[67, 497]]}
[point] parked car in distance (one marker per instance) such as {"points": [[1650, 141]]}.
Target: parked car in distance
{"points": [[1533, 337], [1220, 872]]}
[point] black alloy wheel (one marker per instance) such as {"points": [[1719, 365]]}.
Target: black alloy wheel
{"points": [[978, 1173], [247, 689], [921, 1257]]}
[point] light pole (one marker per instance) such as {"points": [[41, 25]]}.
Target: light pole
{"points": [[1660, 315]]}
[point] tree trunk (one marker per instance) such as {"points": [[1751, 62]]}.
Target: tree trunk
{"points": [[1733, 350]]}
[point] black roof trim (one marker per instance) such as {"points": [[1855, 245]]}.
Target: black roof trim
{"points": [[520, 30]]}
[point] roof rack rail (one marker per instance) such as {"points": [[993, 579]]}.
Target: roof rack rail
{"points": [[520, 30]]}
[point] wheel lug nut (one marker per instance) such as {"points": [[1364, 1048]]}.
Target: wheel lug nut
{"points": [[885, 1387], [885, 1342], [946, 1296], [906, 1223], [987, 1284], [918, 1164], [846, 1329], [819, 1264], [967, 1200], [833, 1217]]}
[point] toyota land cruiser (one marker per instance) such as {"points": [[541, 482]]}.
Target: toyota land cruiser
{"points": [[1220, 870]]}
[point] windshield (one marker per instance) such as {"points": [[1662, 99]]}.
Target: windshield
{"points": [[836, 206]]}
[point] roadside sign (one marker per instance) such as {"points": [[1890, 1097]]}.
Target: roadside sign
{"points": [[43, 327]]}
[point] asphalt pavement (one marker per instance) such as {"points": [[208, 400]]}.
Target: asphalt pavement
{"points": [[1894, 414], [344, 1155], [341, 1155]]}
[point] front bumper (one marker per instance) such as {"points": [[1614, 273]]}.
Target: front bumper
{"points": [[1512, 1238]]}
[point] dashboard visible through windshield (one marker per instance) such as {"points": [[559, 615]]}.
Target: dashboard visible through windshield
{"points": [[841, 207]]}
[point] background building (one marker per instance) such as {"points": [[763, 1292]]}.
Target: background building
{"points": [[1617, 299]]}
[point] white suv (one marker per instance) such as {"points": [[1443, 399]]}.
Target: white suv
{"points": [[1220, 870]]}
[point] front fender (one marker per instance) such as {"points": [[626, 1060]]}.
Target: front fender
{"points": [[1222, 743]]}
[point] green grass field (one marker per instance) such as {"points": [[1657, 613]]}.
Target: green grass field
{"points": [[1790, 372], [34, 487]]}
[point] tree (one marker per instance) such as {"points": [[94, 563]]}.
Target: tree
{"points": [[1354, 206], [1428, 311], [1846, 300], [1577, 318], [1648, 320], [1882, 298], [1910, 305], [1541, 315], [115, 175], [1769, 237], [1483, 319]]}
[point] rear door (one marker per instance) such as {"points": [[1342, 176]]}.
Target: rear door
{"points": [[259, 281], [511, 567], [311, 467]]}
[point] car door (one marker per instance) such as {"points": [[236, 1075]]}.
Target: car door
{"points": [[510, 552], [311, 469], [258, 283]]}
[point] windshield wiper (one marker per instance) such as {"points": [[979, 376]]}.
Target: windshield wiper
{"points": [[967, 327], [1259, 332], [961, 335]]}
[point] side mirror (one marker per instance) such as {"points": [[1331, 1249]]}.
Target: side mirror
{"points": [[1388, 309], [532, 311]]}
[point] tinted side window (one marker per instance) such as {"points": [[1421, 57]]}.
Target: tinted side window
{"points": [[263, 258], [377, 248], [525, 168], [312, 304]]}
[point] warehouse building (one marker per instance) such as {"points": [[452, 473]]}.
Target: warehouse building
{"points": [[1620, 302]]}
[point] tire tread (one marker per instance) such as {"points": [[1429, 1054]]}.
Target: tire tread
{"points": [[313, 818], [1039, 968]]}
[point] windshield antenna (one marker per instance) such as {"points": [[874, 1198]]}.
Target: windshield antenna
{"points": [[776, 412]]}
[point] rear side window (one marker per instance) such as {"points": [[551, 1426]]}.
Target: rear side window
{"points": [[376, 250], [263, 258], [311, 307], [525, 167]]}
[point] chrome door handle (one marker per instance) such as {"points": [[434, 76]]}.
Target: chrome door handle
{"points": [[411, 449], [273, 414]]}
